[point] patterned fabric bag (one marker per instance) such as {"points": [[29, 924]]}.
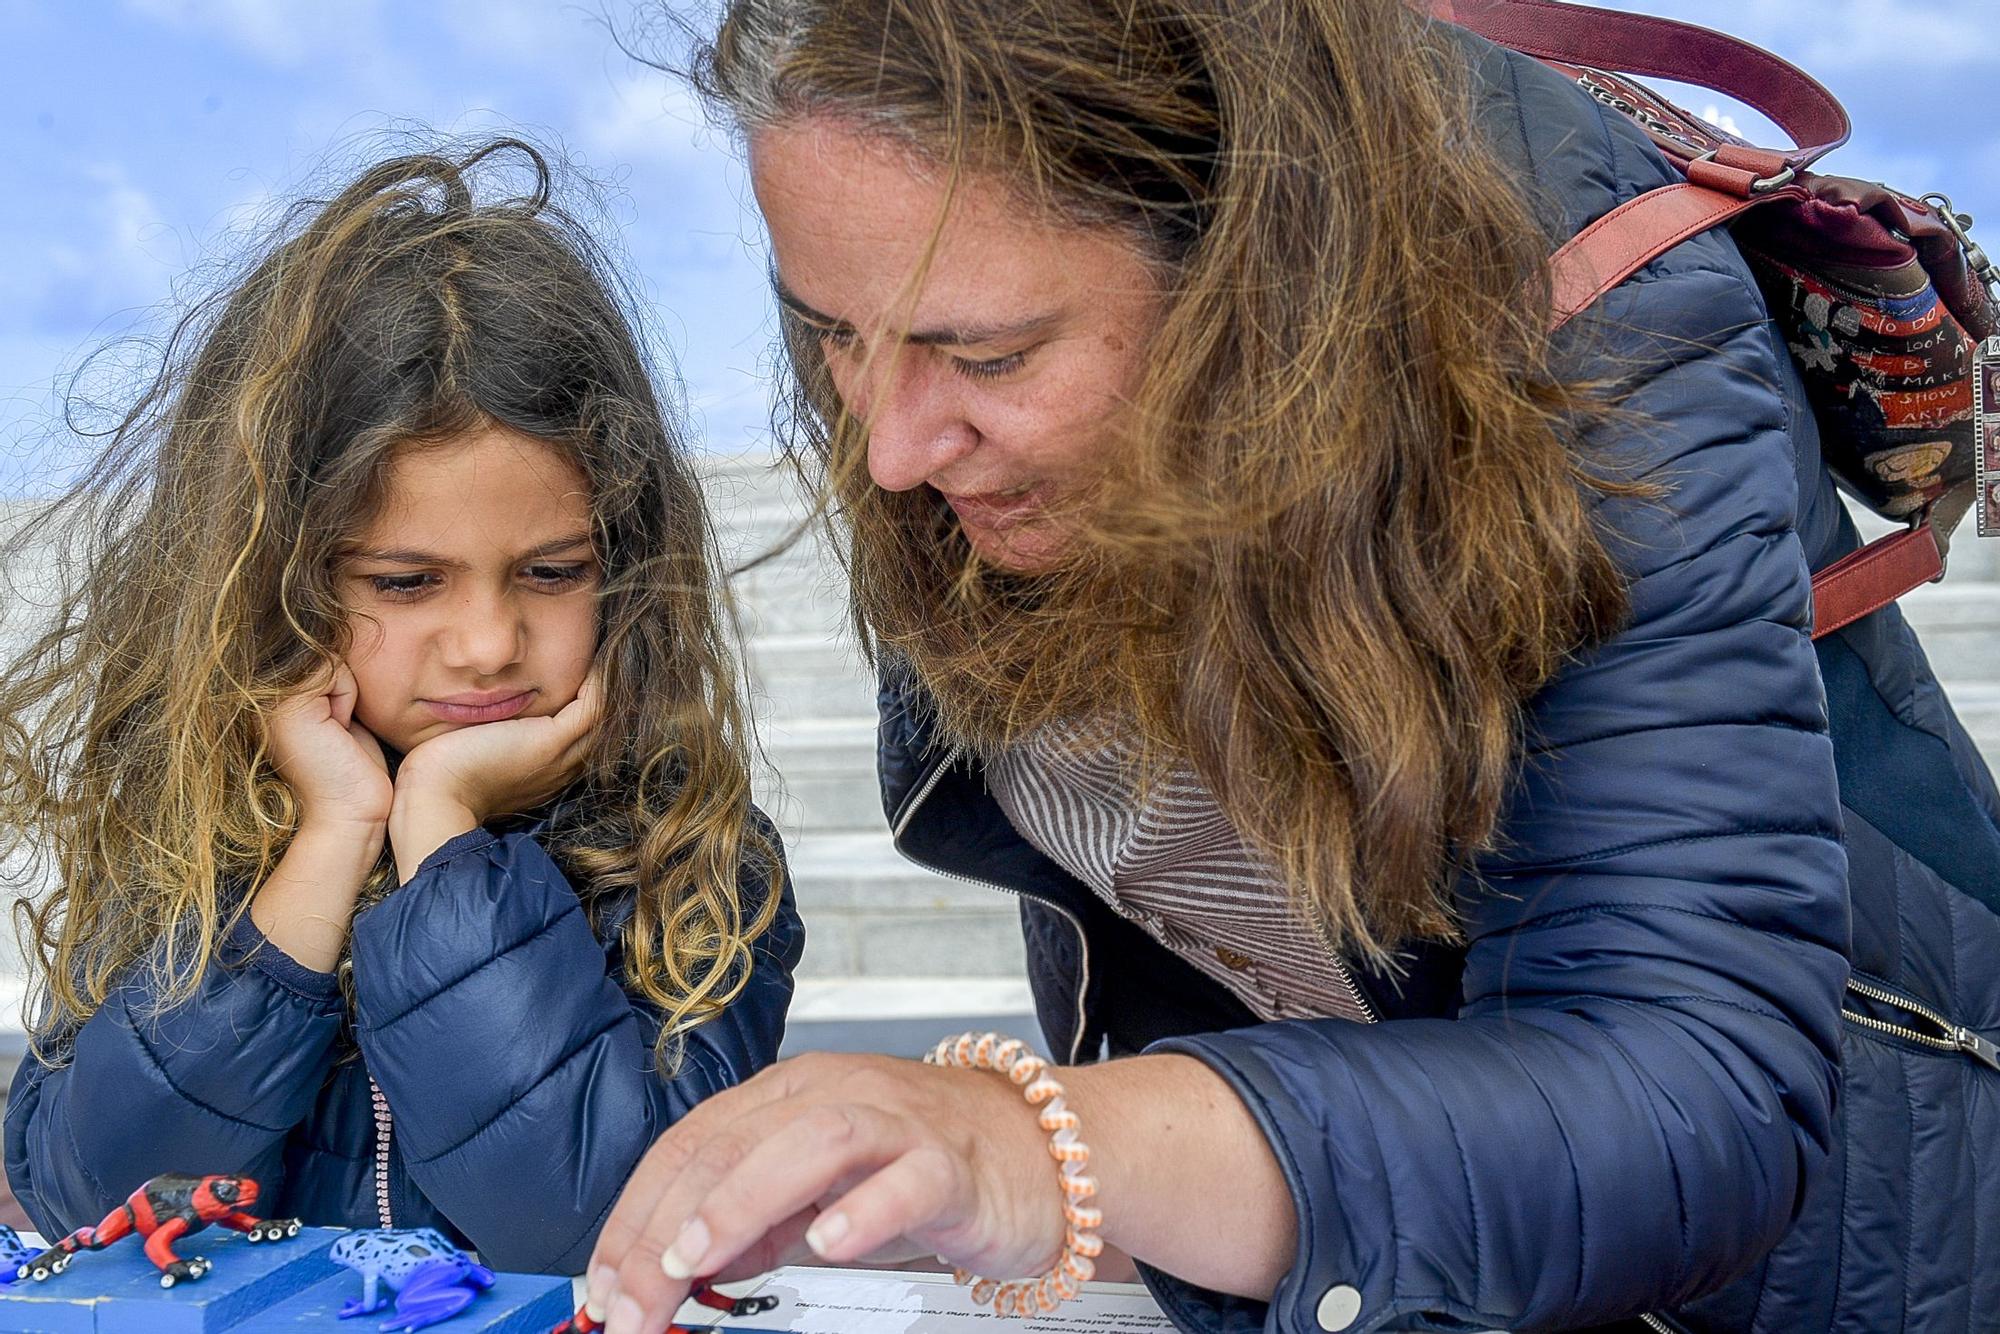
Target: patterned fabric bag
{"points": [[1891, 311]]}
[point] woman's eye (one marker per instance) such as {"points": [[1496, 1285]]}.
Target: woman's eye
{"points": [[987, 370], [401, 585], [832, 337], [559, 576]]}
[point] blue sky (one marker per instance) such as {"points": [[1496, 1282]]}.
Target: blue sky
{"points": [[137, 137]]}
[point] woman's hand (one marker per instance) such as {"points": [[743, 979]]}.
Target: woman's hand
{"points": [[870, 1160], [842, 1159], [332, 763], [456, 781]]}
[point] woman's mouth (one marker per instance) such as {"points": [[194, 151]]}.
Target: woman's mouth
{"points": [[480, 706], [997, 511]]}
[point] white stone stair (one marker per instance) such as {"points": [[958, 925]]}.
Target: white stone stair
{"points": [[870, 914]]}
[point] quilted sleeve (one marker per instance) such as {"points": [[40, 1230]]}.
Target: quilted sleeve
{"points": [[215, 1083], [1640, 1080]]}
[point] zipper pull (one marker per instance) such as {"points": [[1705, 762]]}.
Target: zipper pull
{"points": [[1977, 1047]]}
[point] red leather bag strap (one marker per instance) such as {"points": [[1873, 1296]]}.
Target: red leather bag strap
{"points": [[1629, 237], [1664, 49], [1622, 242], [1874, 576]]}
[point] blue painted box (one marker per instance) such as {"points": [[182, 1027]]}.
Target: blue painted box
{"points": [[515, 1304], [117, 1290], [263, 1288]]}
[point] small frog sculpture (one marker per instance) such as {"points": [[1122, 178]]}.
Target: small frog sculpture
{"points": [[14, 1254], [164, 1211], [433, 1280], [583, 1322]]}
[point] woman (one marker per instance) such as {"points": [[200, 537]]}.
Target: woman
{"points": [[1401, 729]]}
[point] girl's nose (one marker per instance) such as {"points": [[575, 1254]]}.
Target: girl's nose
{"points": [[485, 636], [916, 422]]}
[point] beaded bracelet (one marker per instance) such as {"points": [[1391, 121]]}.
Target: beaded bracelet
{"points": [[1081, 1244]]}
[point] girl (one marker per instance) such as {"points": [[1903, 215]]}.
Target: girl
{"points": [[386, 761], [1434, 828]]}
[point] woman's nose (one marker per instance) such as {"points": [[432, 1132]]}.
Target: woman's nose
{"points": [[916, 422]]}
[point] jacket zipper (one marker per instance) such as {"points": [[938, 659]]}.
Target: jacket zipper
{"points": [[1361, 1002], [1610, 97], [385, 1128], [1949, 1036], [909, 812], [1957, 1038]]}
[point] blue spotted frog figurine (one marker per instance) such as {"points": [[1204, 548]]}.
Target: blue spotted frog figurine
{"points": [[15, 1255], [433, 1280]]}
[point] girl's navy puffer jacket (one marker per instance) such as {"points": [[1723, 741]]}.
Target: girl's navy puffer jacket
{"points": [[516, 1072], [1644, 1085]]}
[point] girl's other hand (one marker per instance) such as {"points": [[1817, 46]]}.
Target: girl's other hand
{"points": [[334, 765], [456, 781]]}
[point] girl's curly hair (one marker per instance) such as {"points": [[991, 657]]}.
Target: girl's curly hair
{"points": [[196, 558]]}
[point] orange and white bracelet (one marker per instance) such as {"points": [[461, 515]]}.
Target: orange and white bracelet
{"points": [[1081, 1244]]}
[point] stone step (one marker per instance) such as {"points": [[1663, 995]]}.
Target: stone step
{"points": [[734, 483], [764, 531], [824, 771], [871, 913], [1958, 624], [781, 599], [809, 676]]}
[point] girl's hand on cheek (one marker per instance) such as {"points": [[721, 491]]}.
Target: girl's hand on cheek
{"points": [[335, 769], [332, 763], [455, 782]]}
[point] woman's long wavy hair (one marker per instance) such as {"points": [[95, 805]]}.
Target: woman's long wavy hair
{"points": [[1348, 531], [199, 555]]}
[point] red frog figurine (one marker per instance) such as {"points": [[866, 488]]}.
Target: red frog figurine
{"points": [[163, 1211], [585, 1323]]}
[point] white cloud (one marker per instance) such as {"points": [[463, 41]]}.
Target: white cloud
{"points": [[524, 32], [1851, 35], [640, 115], [1721, 119], [116, 252], [285, 35]]}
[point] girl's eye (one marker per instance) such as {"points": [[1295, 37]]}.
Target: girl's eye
{"points": [[989, 370], [832, 337], [395, 586], [559, 576]]}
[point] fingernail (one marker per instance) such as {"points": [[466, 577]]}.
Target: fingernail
{"points": [[627, 1317], [826, 1232], [687, 1250], [600, 1286]]}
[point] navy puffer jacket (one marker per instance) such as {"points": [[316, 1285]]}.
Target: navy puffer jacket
{"points": [[1619, 1097], [516, 1070]]}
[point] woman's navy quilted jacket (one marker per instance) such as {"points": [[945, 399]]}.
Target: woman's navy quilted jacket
{"points": [[518, 1072], [1620, 1096]]}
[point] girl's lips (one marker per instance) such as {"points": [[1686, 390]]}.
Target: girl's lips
{"points": [[480, 713]]}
